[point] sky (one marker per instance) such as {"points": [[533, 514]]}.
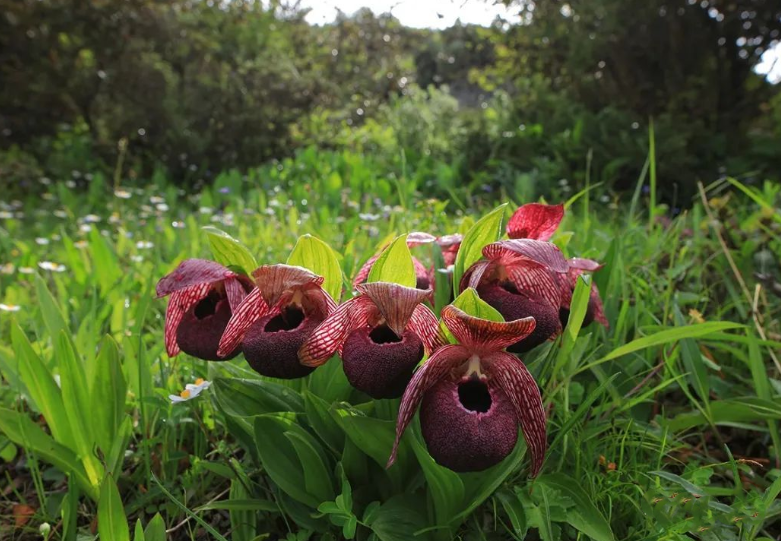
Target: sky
{"points": [[444, 13]]}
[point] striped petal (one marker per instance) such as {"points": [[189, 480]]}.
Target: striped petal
{"points": [[274, 281], [395, 302], [449, 244], [426, 326], [584, 265], [599, 309], [578, 266], [178, 305], [545, 254], [441, 363], [251, 309], [329, 336], [416, 238], [191, 272], [535, 221], [474, 274], [518, 384], [483, 336], [535, 281], [235, 291]]}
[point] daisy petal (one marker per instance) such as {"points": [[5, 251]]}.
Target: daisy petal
{"points": [[519, 386], [481, 335], [535, 221], [329, 336], [438, 366]]}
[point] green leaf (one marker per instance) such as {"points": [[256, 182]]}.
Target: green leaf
{"points": [[584, 515], [75, 399], [471, 303], [155, 530], [104, 262], [692, 361], [229, 251], [317, 479], [669, 335], [243, 521], [398, 519], [444, 486], [41, 387], [108, 393], [138, 533], [241, 505], [315, 255], [112, 522], [487, 230], [250, 397], [394, 264], [24, 432], [50, 310], [322, 422]]}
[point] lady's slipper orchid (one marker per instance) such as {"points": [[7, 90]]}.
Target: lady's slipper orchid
{"points": [[449, 244], [204, 294], [595, 310], [519, 278], [276, 318], [473, 396], [382, 335], [535, 221], [421, 273]]}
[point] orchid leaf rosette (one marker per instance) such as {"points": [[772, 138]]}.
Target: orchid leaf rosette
{"points": [[202, 298], [423, 280], [381, 334], [276, 318], [473, 396]]}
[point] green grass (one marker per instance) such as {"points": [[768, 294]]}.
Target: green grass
{"points": [[662, 426]]}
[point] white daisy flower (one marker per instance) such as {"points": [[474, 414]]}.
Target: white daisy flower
{"points": [[5, 215], [81, 244], [144, 245], [191, 390], [26, 270], [85, 228], [9, 307], [8, 268], [177, 225], [156, 200], [41, 241], [51, 266], [91, 219], [122, 193], [162, 207]]}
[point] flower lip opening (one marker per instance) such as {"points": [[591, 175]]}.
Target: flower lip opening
{"points": [[289, 319], [382, 334], [207, 306], [474, 396]]}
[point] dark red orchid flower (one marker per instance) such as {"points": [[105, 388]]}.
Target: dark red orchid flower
{"points": [[421, 272], [382, 335], [276, 318], [519, 278], [473, 396], [535, 221], [204, 294], [595, 310], [449, 244]]}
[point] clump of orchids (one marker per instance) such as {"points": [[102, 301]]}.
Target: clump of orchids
{"points": [[472, 392]]}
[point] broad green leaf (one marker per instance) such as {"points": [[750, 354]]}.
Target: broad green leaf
{"points": [[487, 230], [584, 515], [444, 486], [112, 522], [75, 399], [41, 387], [138, 532], [70, 511], [315, 255], [155, 530], [692, 361], [729, 411], [322, 422], [229, 251], [50, 310], [398, 519], [24, 432], [250, 397], [329, 382], [280, 459], [317, 479], [394, 264], [578, 308], [515, 512], [104, 262], [107, 395], [243, 521], [234, 504], [670, 335]]}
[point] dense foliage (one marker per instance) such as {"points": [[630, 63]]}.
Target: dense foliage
{"points": [[193, 88]]}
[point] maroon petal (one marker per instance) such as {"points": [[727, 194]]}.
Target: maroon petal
{"points": [[276, 282], [422, 279], [192, 272], [426, 326], [180, 302], [416, 238], [544, 254], [329, 336], [474, 274], [519, 386], [251, 309], [584, 265], [450, 245], [595, 301], [363, 274], [235, 291], [438, 366], [535, 281], [395, 302], [535, 221], [481, 335]]}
